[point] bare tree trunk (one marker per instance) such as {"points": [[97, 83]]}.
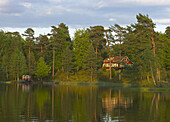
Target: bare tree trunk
{"points": [[148, 77], [109, 57], [154, 52], [110, 67], [17, 77], [53, 62], [119, 74], [96, 51], [91, 74], [67, 75], [159, 75], [153, 77], [29, 58], [120, 59]]}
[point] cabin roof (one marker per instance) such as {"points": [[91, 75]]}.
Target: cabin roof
{"points": [[117, 58]]}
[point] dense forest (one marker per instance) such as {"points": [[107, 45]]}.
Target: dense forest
{"points": [[57, 57]]}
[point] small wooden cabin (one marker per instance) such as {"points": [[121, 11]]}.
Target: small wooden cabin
{"points": [[26, 78], [117, 62]]}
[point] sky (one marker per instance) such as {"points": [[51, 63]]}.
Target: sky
{"points": [[18, 15]]}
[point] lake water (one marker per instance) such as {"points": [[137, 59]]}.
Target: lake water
{"points": [[59, 103]]}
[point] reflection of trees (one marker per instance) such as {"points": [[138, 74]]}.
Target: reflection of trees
{"points": [[75, 103], [149, 107], [41, 97], [81, 103], [11, 99], [114, 103]]}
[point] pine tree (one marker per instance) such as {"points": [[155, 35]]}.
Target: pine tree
{"points": [[29, 33], [80, 46], [141, 46], [91, 61], [59, 40], [67, 60], [18, 65], [42, 68], [96, 36]]}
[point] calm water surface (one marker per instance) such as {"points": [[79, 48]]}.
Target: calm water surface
{"points": [[48, 103]]}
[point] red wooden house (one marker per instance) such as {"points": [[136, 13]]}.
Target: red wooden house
{"points": [[117, 62]]}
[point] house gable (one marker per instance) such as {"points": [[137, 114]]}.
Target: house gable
{"points": [[117, 62]]}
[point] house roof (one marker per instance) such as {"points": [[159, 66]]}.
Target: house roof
{"points": [[116, 58]]}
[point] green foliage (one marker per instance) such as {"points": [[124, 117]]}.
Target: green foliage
{"points": [[59, 40], [13, 61], [104, 75], [119, 36], [147, 49], [91, 61], [140, 47], [42, 45], [33, 64], [18, 65], [42, 68], [80, 46], [67, 60], [96, 38]]}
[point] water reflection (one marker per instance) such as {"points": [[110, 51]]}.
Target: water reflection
{"points": [[113, 103], [25, 87], [27, 102]]}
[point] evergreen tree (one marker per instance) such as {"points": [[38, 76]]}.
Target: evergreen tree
{"points": [[18, 65], [5, 52], [96, 36], [167, 49], [59, 40], [42, 44], [42, 68], [33, 63], [91, 61], [119, 36], [80, 46], [140, 43], [29, 33], [67, 60]]}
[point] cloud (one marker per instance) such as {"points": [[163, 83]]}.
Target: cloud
{"points": [[147, 2], [130, 3], [101, 4], [162, 21], [3, 2], [44, 13], [112, 19], [26, 4], [37, 30], [10, 7]]}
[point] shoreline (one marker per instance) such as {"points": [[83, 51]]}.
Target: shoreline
{"points": [[116, 86]]}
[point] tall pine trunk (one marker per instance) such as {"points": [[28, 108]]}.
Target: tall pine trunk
{"points": [[153, 78], [96, 51], [154, 52], [120, 59], [53, 62], [109, 56], [91, 73], [29, 58], [67, 74]]}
